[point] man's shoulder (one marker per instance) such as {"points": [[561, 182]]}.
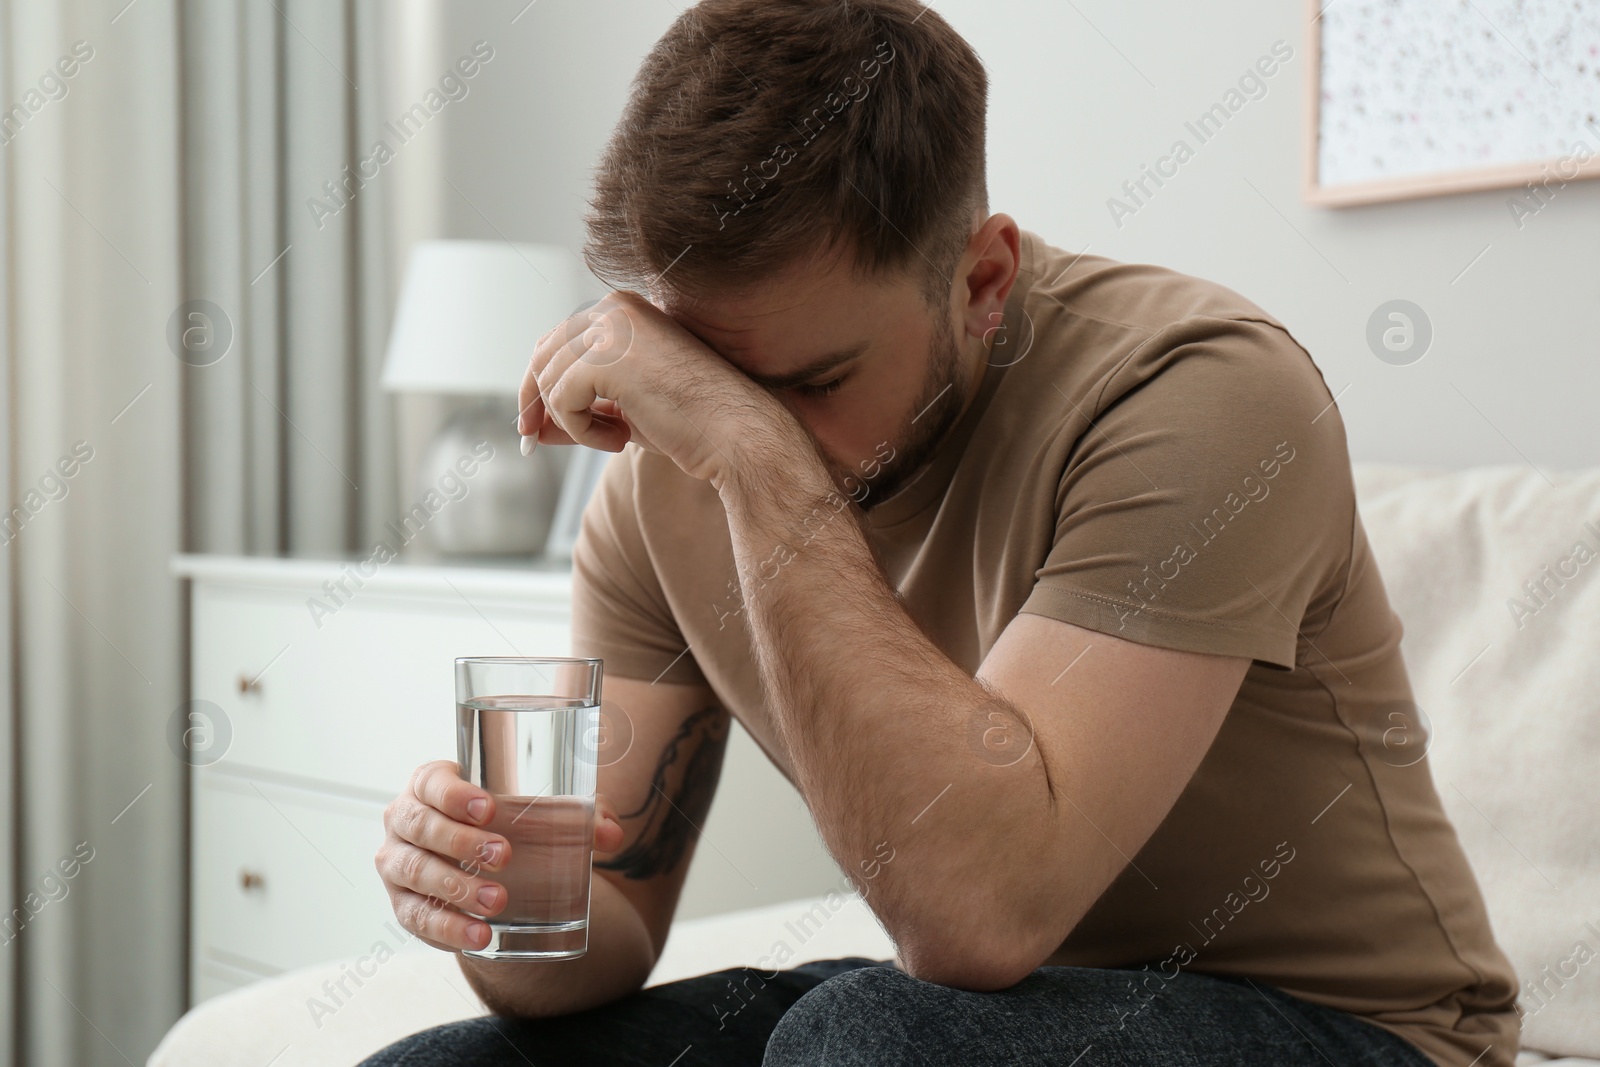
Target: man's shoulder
{"points": [[1103, 328], [1143, 299]]}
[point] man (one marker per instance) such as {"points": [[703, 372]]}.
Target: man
{"points": [[1038, 574]]}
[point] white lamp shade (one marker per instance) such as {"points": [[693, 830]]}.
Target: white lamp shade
{"points": [[471, 311]]}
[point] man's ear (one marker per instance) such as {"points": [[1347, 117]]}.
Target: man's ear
{"points": [[992, 260]]}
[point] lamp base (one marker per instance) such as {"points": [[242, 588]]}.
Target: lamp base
{"points": [[481, 496]]}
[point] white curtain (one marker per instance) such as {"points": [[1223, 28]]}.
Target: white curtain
{"points": [[154, 154], [279, 100]]}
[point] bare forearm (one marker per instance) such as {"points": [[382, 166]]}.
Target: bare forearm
{"points": [[880, 726], [618, 962]]}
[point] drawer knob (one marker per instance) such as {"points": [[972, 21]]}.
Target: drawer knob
{"points": [[248, 684], [249, 880]]}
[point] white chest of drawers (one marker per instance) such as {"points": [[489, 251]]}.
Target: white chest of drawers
{"points": [[316, 691]]}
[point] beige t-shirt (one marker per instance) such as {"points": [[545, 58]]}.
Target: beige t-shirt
{"points": [[1151, 456]]}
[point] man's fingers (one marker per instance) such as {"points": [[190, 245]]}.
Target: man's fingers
{"points": [[420, 825], [555, 381], [568, 385], [436, 923], [406, 866], [607, 432], [530, 412], [608, 832], [599, 424], [440, 786], [530, 404]]}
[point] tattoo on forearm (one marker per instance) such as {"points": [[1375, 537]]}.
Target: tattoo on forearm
{"points": [[670, 820]]}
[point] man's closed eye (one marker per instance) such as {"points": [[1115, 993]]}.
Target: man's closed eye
{"points": [[827, 388]]}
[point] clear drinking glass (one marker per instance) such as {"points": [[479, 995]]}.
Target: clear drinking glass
{"points": [[526, 732]]}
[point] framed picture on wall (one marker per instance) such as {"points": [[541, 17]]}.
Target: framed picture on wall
{"points": [[1410, 98]]}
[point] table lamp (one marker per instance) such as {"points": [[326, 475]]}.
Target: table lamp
{"points": [[469, 316]]}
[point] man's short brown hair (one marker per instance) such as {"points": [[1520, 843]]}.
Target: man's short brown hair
{"points": [[759, 132]]}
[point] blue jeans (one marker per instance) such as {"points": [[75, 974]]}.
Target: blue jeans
{"points": [[858, 1012]]}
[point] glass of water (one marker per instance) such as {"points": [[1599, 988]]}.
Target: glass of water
{"points": [[526, 732]]}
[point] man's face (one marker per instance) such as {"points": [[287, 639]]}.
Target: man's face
{"points": [[866, 366]]}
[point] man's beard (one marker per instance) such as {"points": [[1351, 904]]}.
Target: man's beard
{"points": [[934, 412]]}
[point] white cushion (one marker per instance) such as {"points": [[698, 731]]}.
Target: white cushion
{"points": [[279, 1021], [311, 1023], [1514, 704]]}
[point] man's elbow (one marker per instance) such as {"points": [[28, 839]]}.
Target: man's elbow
{"points": [[500, 999], [981, 964], [527, 991], [976, 945]]}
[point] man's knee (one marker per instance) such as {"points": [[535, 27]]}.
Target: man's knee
{"points": [[864, 1016]]}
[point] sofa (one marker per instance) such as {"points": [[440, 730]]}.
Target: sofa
{"points": [[1495, 574]]}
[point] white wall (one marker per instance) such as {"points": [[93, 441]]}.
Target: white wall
{"points": [[1082, 95]]}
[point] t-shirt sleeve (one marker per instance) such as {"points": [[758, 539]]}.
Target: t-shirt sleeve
{"points": [[1209, 502], [619, 611]]}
